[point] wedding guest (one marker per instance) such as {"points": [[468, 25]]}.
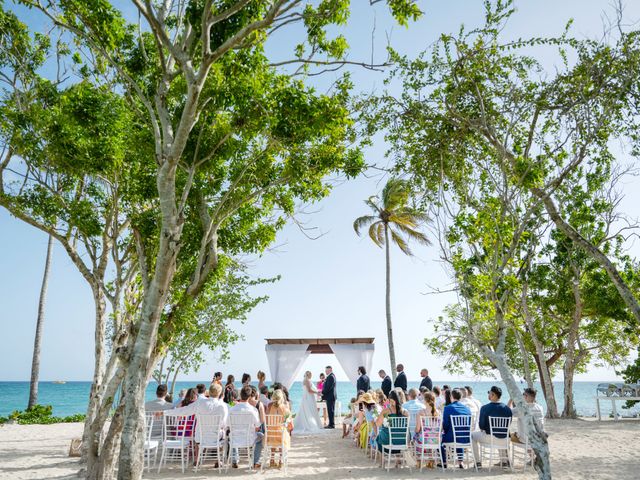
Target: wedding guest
{"points": [[242, 407], [386, 383], [254, 401], [401, 378], [217, 378], [381, 398], [350, 419], [278, 406], [181, 395], [447, 397], [264, 396], [413, 407], [285, 390], [261, 380], [495, 408], [439, 399], [393, 410], [401, 395], [426, 379], [454, 408], [471, 398], [473, 407], [159, 404], [320, 384], [201, 390], [229, 388], [363, 380], [246, 379], [535, 409], [368, 413], [430, 411]]}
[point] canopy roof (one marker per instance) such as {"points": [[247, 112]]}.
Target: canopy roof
{"points": [[318, 345]]}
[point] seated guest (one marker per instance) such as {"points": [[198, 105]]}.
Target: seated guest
{"points": [[363, 380], [386, 383], [246, 379], [261, 379], [381, 398], [423, 390], [349, 420], [264, 396], [229, 389], [401, 395], [393, 410], [535, 409], [495, 408], [413, 407], [439, 400], [367, 415], [454, 408], [401, 378], [181, 395], [202, 391], [240, 408], [431, 411], [285, 390], [210, 406], [278, 406], [254, 401], [447, 396], [473, 407], [159, 404], [190, 397]]}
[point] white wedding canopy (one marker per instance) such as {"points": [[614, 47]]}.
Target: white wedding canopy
{"points": [[287, 355]]}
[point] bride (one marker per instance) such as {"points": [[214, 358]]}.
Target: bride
{"points": [[307, 420]]}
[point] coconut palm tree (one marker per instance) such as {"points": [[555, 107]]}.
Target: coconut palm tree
{"points": [[35, 364], [393, 219]]}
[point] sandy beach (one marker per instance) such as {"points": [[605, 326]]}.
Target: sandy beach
{"points": [[580, 449]]}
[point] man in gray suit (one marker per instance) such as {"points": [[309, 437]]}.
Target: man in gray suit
{"points": [[158, 405]]}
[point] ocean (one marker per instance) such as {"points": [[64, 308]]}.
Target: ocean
{"points": [[71, 397]]}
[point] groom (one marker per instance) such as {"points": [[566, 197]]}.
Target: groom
{"points": [[329, 395]]}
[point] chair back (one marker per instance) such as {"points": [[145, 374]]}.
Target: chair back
{"points": [[461, 425], [178, 427], [241, 430], [208, 431], [499, 427], [398, 430], [149, 420], [274, 429], [431, 430]]}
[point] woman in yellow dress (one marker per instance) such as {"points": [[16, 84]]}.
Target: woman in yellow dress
{"points": [[276, 437]]}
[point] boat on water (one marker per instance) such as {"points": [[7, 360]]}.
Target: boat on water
{"points": [[59, 382]]}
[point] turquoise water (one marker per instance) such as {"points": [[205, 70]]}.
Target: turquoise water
{"points": [[71, 397]]}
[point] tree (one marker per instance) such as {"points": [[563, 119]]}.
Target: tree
{"points": [[37, 342], [235, 145], [393, 221]]}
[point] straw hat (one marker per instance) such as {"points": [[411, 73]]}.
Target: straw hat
{"points": [[366, 398]]}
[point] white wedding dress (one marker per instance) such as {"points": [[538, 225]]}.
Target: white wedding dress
{"points": [[307, 420]]}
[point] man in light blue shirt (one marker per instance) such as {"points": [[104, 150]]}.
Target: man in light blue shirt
{"points": [[413, 406]]}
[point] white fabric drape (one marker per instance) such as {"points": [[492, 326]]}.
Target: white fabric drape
{"points": [[285, 362], [352, 356]]}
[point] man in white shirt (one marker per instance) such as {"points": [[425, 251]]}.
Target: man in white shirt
{"points": [[536, 410], [242, 407], [413, 406], [210, 406], [471, 405], [158, 405], [201, 389]]}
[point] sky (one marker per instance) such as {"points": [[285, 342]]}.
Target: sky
{"points": [[330, 287]]}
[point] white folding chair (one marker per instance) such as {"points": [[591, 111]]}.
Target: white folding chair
{"points": [[431, 437], [398, 439], [522, 451], [461, 425], [210, 439], [275, 435], [177, 437], [150, 445], [499, 442], [242, 437]]}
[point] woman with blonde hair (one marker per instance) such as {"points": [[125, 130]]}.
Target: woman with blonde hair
{"points": [[277, 437], [307, 420]]}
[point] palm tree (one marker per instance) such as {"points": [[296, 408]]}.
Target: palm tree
{"points": [[393, 217], [35, 364]]}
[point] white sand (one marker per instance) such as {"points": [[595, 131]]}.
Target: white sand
{"points": [[581, 449]]}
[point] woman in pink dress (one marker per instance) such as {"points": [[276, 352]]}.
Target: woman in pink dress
{"points": [[319, 387]]}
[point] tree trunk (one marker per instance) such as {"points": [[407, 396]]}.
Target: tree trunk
{"points": [[533, 429], [35, 363], [525, 359], [590, 249], [92, 433], [569, 410], [392, 350], [105, 468], [548, 390]]}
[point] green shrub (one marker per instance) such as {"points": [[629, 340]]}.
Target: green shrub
{"points": [[40, 415]]}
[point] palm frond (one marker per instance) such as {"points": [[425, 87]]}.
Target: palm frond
{"points": [[363, 221], [395, 194], [412, 234], [374, 233], [370, 202], [402, 244], [417, 215]]}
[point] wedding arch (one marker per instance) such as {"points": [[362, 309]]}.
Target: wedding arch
{"points": [[287, 355]]}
